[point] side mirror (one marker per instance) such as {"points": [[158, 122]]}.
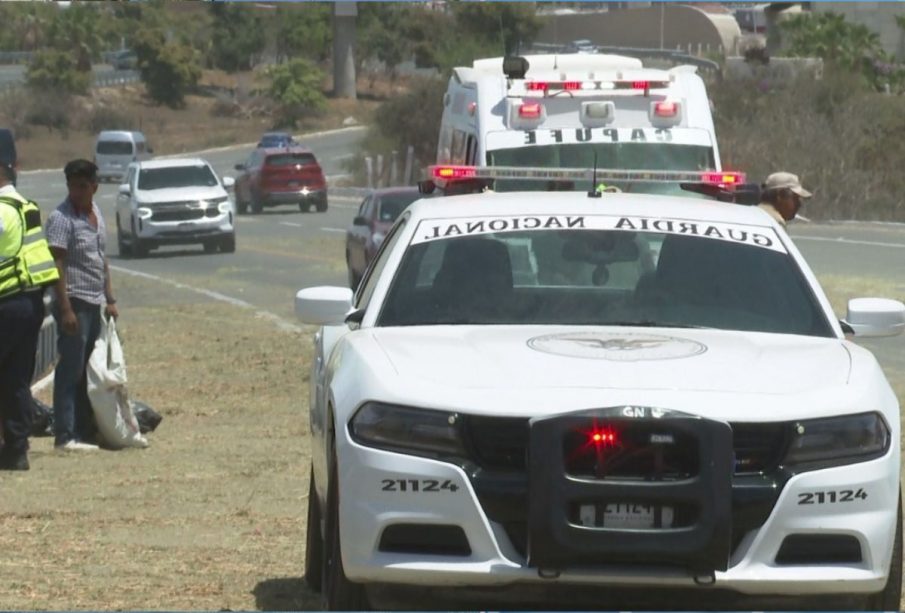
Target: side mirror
{"points": [[360, 221], [124, 189], [229, 182], [239, 166], [875, 317], [323, 305]]}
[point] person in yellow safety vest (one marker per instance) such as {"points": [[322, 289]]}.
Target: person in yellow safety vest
{"points": [[26, 269]]}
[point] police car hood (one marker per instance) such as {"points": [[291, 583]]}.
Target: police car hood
{"points": [[180, 194], [528, 357]]}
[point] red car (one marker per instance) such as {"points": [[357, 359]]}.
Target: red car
{"points": [[280, 175], [376, 215]]}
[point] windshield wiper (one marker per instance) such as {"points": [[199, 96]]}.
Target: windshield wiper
{"points": [[649, 323]]}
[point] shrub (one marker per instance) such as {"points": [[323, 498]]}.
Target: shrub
{"points": [[53, 70]]}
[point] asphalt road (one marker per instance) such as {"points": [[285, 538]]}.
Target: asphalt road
{"points": [[283, 249]]}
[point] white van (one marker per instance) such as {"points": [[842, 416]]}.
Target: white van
{"points": [[116, 149], [577, 111]]}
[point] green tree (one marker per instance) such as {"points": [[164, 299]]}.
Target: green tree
{"points": [[238, 34], [77, 30], [383, 35], [52, 70], [303, 30], [296, 87], [505, 25], [410, 119], [169, 70]]}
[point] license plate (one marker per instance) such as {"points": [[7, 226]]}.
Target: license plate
{"points": [[624, 515]]}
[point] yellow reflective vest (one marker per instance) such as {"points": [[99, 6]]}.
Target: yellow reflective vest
{"points": [[25, 259]]}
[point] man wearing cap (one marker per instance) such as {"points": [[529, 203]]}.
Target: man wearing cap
{"points": [[782, 196], [26, 269]]}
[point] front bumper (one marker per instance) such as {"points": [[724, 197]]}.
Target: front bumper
{"points": [[476, 528], [299, 196], [177, 229]]}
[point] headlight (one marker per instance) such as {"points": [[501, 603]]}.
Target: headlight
{"points": [[378, 239], [143, 212], [224, 206], [407, 429], [839, 440]]}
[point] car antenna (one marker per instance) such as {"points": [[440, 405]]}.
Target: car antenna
{"points": [[593, 193]]}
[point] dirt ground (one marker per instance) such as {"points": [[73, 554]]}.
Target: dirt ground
{"points": [[200, 125], [211, 515]]}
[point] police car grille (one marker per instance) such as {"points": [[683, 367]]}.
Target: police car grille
{"points": [[501, 443], [759, 447]]}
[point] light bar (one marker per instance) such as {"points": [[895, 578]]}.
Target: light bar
{"points": [[552, 88], [446, 172]]}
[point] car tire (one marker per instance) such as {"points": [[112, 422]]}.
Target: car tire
{"points": [[256, 205], [228, 243], [338, 593], [125, 249], [322, 205], [314, 541], [138, 247], [891, 596]]}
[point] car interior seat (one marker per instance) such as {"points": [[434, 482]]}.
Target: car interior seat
{"points": [[474, 281]]}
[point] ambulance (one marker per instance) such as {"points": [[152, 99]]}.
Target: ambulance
{"points": [[577, 111]]}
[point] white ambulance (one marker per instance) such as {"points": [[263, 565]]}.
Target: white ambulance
{"points": [[577, 111]]}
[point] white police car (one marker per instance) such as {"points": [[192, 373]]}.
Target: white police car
{"points": [[534, 392]]}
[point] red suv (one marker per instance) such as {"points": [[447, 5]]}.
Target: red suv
{"points": [[280, 175]]}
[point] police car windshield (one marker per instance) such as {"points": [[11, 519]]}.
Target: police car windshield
{"points": [[176, 176], [626, 155], [742, 281]]}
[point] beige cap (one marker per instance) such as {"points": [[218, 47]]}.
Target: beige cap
{"points": [[786, 180]]}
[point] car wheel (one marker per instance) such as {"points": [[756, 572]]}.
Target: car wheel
{"points": [[210, 246], [314, 540], [322, 205], [339, 594], [256, 205], [139, 249], [124, 248], [304, 206], [228, 243], [891, 596]]}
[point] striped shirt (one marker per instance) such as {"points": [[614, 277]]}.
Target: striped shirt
{"points": [[85, 247]]}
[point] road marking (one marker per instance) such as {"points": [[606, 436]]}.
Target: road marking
{"points": [[334, 230], [848, 241], [291, 223], [281, 323]]}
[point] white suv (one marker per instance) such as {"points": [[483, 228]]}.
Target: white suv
{"points": [[174, 202]]}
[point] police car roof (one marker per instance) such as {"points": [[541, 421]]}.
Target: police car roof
{"points": [[579, 203], [171, 162]]}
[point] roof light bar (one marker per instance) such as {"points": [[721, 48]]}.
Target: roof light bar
{"points": [[447, 172]]}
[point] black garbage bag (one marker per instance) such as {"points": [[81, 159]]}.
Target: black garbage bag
{"points": [[148, 418], [41, 418]]}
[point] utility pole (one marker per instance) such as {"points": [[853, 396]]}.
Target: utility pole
{"points": [[344, 15]]}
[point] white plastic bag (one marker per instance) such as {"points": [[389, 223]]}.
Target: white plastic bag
{"points": [[107, 391]]}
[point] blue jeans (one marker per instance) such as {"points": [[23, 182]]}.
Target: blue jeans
{"points": [[73, 418]]}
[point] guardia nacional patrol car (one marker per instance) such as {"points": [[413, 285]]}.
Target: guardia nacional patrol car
{"points": [[538, 393]]}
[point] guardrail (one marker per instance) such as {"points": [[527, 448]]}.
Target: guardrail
{"points": [[46, 354], [116, 79]]}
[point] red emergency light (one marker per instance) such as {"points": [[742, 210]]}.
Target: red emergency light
{"points": [[601, 437], [723, 178], [453, 172], [666, 108], [536, 86], [530, 110]]}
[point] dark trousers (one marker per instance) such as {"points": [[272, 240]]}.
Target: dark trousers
{"points": [[20, 322], [73, 417]]}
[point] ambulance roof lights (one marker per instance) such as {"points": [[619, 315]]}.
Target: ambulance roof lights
{"points": [[723, 178], [665, 113], [597, 113], [525, 115]]}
